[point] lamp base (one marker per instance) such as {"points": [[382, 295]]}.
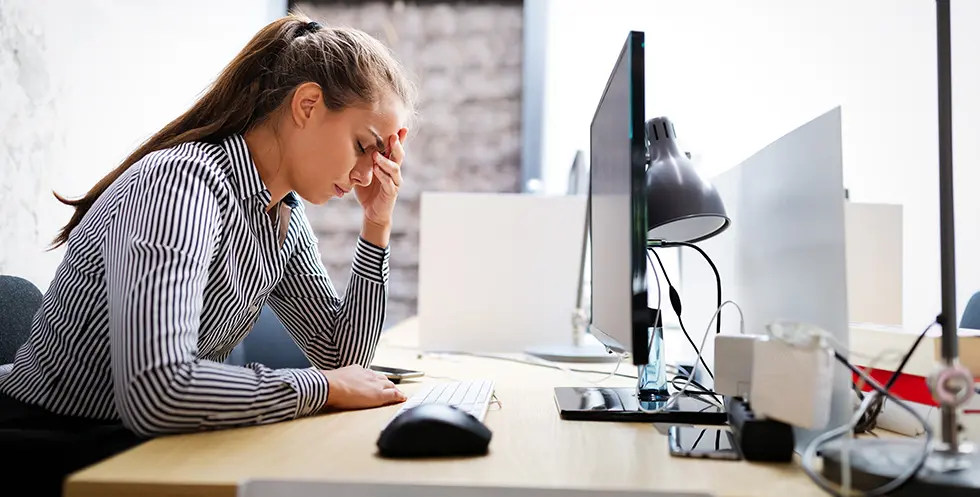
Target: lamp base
{"points": [[580, 354], [875, 462]]}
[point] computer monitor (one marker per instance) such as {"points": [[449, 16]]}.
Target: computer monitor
{"points": [[617, 203], [618, 224]]}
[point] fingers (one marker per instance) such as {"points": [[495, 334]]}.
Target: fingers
{"points": [[386, 182], [392, 395], [395, 150], [387, 170], [390, 167], [388, 174]]}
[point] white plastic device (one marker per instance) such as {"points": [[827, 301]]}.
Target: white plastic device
{"points": [[733, 364], [792, 381]]}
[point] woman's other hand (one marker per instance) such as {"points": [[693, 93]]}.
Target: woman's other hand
{"points": [[354, 387]]}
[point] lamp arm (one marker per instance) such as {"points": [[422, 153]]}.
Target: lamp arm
{"points": [[580, 318]]}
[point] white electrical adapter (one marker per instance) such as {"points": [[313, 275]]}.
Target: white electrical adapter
{"points": [[733, 364], [792, 382]]}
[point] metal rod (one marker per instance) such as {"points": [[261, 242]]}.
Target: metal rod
{"points": [[577, 331], [947, 241]]}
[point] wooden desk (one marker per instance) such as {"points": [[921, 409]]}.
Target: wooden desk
{"points": [[531, 446]]}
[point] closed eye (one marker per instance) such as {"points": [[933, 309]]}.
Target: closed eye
{"points": [[360, 148]]}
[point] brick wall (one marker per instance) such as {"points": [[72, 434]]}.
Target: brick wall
{"points": [[466, 57]]}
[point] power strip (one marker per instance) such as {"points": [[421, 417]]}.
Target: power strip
{"points": [[763, 440]]}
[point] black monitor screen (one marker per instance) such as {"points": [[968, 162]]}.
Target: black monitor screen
{"points": [[618, 208]]}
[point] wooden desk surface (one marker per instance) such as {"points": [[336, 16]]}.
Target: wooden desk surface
{"points": [[531, 446]]}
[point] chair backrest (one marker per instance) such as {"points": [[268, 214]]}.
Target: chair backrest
{"points": [[19, 301], [971, 315], [269, 344]]}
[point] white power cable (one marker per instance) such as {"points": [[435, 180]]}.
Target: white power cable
{"points": [[795, 334], [565, 368]]}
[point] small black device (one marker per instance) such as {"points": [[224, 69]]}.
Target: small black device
{"points": [[708, 443], [396, 375], [759, 439], [434, 430]]}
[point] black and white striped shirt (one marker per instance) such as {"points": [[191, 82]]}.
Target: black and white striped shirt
{"points": [[165, 275]]}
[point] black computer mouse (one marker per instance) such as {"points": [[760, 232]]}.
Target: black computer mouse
{"points": [[434, 430]]}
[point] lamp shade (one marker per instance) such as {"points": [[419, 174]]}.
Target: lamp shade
{"points": [[681, 205]]}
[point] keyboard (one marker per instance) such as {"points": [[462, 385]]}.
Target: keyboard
{"points": [[471, 396]]}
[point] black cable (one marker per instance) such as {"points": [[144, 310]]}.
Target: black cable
{"points": [[696, 351], [698, 388], [662, 268], [870, 420], [699, 391], [908, 355], [675, 302], [699, 438], [713, 268]]}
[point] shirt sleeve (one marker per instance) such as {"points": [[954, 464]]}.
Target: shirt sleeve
{"points": [[331, 331], [157, 252]]}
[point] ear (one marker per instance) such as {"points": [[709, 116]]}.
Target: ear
{"points": [[402, 134], [307, 97]]}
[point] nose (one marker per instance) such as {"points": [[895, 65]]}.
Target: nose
{"points": [[363, 173]]}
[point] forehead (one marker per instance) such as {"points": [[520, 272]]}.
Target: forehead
{"points": [[386, 116]]}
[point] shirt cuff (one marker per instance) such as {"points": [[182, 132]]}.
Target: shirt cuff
{"points": [[311, 389], [371, 261]]}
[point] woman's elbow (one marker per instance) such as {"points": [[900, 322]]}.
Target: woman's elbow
{"points": [[143, 411]]}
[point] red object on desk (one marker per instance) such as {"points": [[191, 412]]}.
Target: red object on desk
{"points": [[909, 387]]}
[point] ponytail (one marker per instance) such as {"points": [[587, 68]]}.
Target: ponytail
{"points": [[256, 82]]}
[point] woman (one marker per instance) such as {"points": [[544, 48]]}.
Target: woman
{"points": [[172, 255]]}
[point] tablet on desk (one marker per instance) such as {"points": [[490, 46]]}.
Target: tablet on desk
{"points": [[396, 375]]}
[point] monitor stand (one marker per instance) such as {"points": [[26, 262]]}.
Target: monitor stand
{"points": [[623, 404], [645, 401]]}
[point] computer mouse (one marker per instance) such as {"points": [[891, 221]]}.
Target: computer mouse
{"points": [[434, 430]]}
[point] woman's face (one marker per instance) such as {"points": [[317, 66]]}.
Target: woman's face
{"points": [[327, 153]]}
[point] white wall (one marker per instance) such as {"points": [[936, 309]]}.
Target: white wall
{"points": [[734, 76], [82, 83]]}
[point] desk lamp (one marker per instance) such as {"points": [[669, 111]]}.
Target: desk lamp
{"points": [[681, 205], [682, 209], [951, 466]]}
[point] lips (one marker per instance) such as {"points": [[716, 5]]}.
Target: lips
{"points": [[340, 191]]}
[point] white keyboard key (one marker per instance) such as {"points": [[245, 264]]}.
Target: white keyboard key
{"points": [[468, 396]]}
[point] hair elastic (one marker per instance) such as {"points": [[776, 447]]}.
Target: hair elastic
{"points": [[310, 27]]}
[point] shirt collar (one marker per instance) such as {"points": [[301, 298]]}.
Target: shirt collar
{"points": [[244, 174]]}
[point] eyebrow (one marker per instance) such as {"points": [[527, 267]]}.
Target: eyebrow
{"points": [[378, 141]]}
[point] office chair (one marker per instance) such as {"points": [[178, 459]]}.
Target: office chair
{"points": [[19, 301], [971, 315], [269, 344]]}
